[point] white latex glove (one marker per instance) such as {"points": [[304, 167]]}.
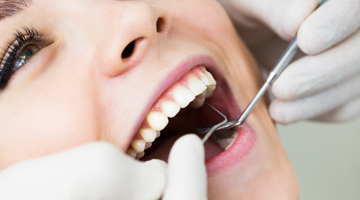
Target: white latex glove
{"points": [[100, 171], [187, 171], [325, 83]]}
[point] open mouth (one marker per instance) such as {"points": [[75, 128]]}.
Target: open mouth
{"points": [[180, 110]]}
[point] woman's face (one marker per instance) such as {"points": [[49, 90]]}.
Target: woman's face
{"points": [[109, 70]]}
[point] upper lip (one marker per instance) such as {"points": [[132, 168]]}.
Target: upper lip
{"points": [[172, 77]]}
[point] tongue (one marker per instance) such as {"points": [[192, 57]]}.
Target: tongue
{"points": [[211, 149]]}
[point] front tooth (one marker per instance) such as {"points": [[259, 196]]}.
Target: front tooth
{"points": [[148, 134], [169, 108], [212, 85], [196, 86], [211, 78], [157, 120], [131, 152], [183, 96], [138, 145], [204, 78]]}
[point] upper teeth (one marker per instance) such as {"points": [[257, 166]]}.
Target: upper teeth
{"points": [[196, 86], [192, 89], [169, 108], [148, 134], [183, 96], [157, 120]]}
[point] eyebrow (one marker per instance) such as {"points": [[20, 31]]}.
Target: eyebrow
{"points": [[10, 8]]}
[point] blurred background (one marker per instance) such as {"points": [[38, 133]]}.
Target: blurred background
{"points": [[326, 158]]}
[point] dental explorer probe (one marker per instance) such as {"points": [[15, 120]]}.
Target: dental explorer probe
{"points": [[282, 63], [279, 67]]}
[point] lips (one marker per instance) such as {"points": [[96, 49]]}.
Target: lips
{"points": [[195, 83]]}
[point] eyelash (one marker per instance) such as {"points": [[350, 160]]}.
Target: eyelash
{"points": [[7, 63]]}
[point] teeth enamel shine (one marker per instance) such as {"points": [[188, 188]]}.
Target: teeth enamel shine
{"points": [[169, 108], [148, 134], [196, 86], [157, 120], [138, 145], [183, 96]]}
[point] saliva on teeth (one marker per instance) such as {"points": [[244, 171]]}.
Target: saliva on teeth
{"points": [[191, 90]]}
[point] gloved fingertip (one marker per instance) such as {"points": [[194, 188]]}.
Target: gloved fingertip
{"points": [[277, 113], [285, 112], [314, 42], [297, 13], [273, 110], [190, 144], [149, 179], [187, 171], [292, 84], [281, 90], [157, 162]]}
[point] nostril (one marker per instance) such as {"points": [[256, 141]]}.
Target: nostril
{"points": [[129, 50], [160, 24]]}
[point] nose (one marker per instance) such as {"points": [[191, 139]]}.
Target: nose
{"points": [[133, 29]]}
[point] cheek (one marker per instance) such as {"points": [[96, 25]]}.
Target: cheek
{"points": [[40, 126]]}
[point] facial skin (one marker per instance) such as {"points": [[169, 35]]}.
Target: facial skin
{"points": [[78, 88]]}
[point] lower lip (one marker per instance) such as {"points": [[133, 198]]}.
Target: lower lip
{"points": [[235, 155]]}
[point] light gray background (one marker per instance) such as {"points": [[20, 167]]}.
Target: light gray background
{"points": [[326, 158]]}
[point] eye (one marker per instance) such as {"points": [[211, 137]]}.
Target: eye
{"points": [[27, 44], [26, 53]]}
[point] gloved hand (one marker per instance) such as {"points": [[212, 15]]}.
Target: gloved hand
{"points": [[325, 83], [100, 171], [186, 170]]}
